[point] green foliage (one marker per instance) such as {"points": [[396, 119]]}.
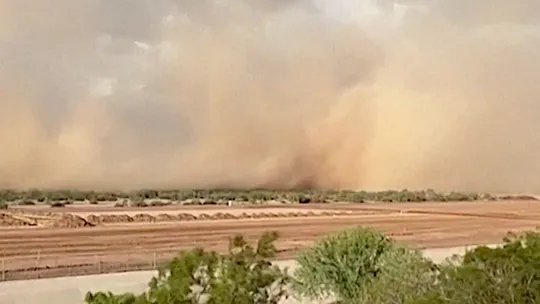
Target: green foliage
{"points": [[110, 298], [122, 204], [138, 204], [361, 266], [507, 274], [57, 204], [171, 195], [354, 266], [253, 195], [243, 276], [106, 197], [159, 203], [147, 194]]}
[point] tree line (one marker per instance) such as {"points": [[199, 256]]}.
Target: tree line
{"points": [[35, 196]]}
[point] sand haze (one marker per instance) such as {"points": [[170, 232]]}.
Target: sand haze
{"points": [[281, 94]]}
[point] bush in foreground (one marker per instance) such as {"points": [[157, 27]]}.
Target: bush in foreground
{"points": [[362, 266], [243, 276], [508, 274], [354, 266]]}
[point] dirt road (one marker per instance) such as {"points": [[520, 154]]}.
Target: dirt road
{"points": [[50, 252]]}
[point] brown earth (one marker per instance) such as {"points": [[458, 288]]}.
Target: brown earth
{"points": [[142, 238], [78, 216]]}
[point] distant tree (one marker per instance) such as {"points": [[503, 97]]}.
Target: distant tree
{"points": [[138, 203], [57, 204]]}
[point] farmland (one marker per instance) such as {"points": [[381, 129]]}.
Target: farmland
{"points": [[40, 240]]}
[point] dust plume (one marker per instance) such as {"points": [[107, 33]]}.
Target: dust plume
{"points": [[325, 94]]}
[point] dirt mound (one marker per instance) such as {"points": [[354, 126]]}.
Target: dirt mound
{"points": [[7, 220], [70, 221], [186, 217], [218, 216], [94, 219], [113, 218], [229, 216], [204, 216], [67, 220], [143, 218], [518, 198], [164, 217], [225, 216]]}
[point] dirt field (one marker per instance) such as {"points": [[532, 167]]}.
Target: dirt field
{"points": [[30, 252]]}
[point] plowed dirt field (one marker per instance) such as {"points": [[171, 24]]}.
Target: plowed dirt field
{"points": [[30, 252]]}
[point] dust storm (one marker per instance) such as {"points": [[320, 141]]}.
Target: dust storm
{"points": [[278, 94]]}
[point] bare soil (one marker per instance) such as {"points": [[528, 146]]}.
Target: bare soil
{"points": [[156, 234]]}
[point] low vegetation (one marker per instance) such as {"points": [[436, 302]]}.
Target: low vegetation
{"points": [[223, 196], [354, 266], [362, 266], [244, 275], [58, 204], [508, 274]]}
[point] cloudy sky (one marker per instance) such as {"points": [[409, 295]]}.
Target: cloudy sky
{"points": [[342, 93]]}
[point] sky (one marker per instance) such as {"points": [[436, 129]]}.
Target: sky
{"points": [[350, 94]]}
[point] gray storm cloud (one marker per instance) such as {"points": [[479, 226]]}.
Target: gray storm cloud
{"points": [[340, 94]]}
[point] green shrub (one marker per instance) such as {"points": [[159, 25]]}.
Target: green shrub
{"points": [[122, 204], [138, 204], [159, 203], [57, 204], [3, 206], [508, 274], [208, 202], [26, 202], [243, 276], [361, 266], [147, 194], [105, 197], [78, 196], [58, 195], [251, 195], [110, 298], [459, 197], [304, 199], [168, 195]]}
